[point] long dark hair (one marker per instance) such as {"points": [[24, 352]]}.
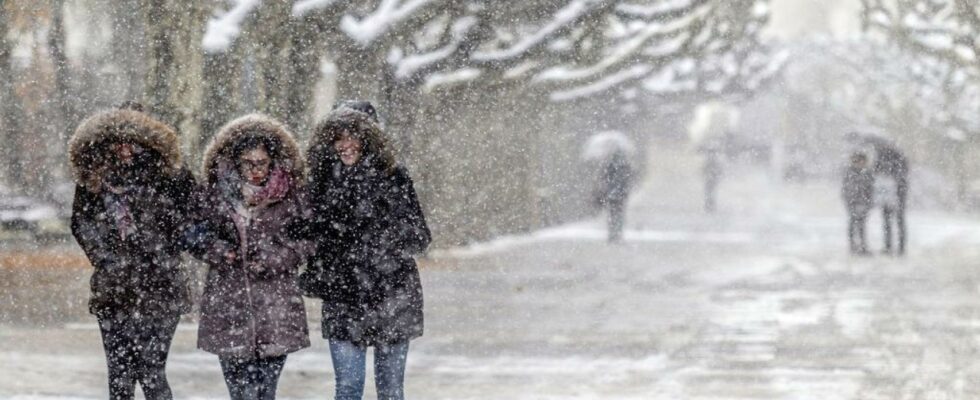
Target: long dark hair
{"points": [[374, 144]]}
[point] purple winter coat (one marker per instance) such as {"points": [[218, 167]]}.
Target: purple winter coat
{"points": [[252, 307]]}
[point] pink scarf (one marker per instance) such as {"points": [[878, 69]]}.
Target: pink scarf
{"points": [[255, 197], [275, 189]]}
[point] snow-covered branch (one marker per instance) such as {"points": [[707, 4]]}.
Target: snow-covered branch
{"points": [[565, 18], [366, 30], [303, 7], [224, 28]]}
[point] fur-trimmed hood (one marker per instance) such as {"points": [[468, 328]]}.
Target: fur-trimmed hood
{"points": [[88, 148], [321, 153], [285, 154]]}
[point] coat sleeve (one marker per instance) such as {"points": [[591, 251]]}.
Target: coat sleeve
{"points": [[84, 227], [409, 231], [313, 219], [302, 213], [199, 235], [184, 191]]}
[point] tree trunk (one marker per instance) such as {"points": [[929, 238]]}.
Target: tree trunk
{"points": [[65, 114], [359, 73], [128, 39], [11, 109], [174, 29], [270, 32], [303, 75], [62, 73], [221, 71]]}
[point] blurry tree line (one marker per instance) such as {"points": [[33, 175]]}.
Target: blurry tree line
{"points": [[934, 45], [488, 101]]}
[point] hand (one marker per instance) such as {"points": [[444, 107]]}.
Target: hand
{"points": [[231, 256], [256, 268]]}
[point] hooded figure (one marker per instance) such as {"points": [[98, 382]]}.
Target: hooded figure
{"points": [[367, 225], [617, 177], [712, 170], [889, 162], [857, 191], [129, 212], [252, 312]]}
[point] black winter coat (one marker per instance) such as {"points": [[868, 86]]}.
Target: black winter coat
{"points": [[141, 272], [889, 160], [138, 271], [367, 226], [617, 176], [858, 190]]}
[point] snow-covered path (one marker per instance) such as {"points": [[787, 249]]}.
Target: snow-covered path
{"points": [[758, 302]]}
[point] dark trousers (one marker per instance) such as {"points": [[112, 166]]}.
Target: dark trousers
{"points": [[896, 215], [617, 217], [855, 233], [252, 378], [710, 188], [136, 349]]}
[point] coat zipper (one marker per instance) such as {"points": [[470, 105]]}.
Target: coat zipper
{"points": [[248, 283]]}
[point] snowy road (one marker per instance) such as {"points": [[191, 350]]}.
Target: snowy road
{"points": [[759, 303]]}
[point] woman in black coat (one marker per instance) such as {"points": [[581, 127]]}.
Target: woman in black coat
{"points": [[367, 225], [616, 180], [130, 209]]}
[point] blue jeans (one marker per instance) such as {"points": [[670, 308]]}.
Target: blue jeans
{"points": [[389, 369]]}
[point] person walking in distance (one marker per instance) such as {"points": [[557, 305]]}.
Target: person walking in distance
{"points": [[616, 179], [712, 171], [857, 191]]}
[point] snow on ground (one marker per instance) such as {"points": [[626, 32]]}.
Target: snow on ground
{"points": [[758, 302]]}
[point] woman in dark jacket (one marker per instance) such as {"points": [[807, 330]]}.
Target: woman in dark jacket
{"points": [[367, 225], [252, 313], [616, 180], [857, 191], [129, 211]]}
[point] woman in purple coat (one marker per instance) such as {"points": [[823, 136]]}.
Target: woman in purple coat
{"points": [[252, 313]]}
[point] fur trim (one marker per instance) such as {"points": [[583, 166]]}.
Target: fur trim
{"points": [[255, 125], [119, 125], [322, 153]]}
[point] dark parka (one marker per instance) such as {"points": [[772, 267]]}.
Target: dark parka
{"points": [[858, 190], [889, 160], [367, 225], [617, 176], [138, 271], [253, 306]]}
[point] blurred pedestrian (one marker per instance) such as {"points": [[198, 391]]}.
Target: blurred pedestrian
{"points": [[889, 161], [130, 207], [712, 171], [616, 179], [857, 191], [886, 197], [367, 225], [252, 312]]}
